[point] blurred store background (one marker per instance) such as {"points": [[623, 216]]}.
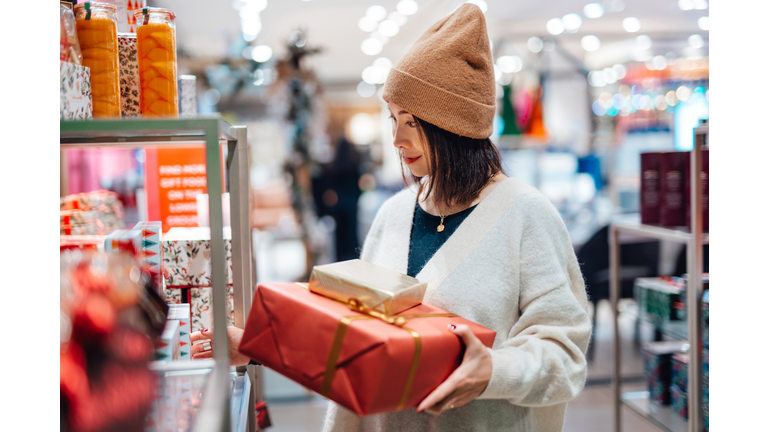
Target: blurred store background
{"points": [[583, 89]]}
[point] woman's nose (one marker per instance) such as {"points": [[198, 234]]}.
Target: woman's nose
{"points": [[399, 140]]}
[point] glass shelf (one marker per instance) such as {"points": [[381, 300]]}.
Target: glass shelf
{"points": [[630, 223], [662, 416]]}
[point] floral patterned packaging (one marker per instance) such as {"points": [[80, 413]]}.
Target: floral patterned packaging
{"points": [[75, 102], [129, 75], [187, 273], [187, 96]]}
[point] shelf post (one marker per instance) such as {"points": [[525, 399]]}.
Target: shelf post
{"points": [[615, 264], [695, 265]]}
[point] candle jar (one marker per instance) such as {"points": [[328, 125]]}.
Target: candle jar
{"points": [[156, 45], [96, 25]]}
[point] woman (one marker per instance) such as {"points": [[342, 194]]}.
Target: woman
{"points": [[490, 248]]}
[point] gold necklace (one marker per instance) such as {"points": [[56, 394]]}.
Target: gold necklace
{"points": [[441, 227]]}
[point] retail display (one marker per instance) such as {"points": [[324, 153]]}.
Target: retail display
{"points": [[108, 320], [657, 359], [181, 313], [129, 75], [679, 386], [123, 240], [75, 99], [94, 243], [650, 187], [679, 401], [168, 345], [187, 272], [673, 169], [98, 213], [97, 33], [151, 249], [187, 95], [377, 288], [704, 193], [69, 47], [366, 361], [156, 35]]}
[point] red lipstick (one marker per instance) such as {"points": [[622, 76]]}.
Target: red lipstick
{"points": [[410, 160]]}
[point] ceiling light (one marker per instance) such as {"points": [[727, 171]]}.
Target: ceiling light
{"points": [[572, 21], [247, 52], [262, 53], [631, 24], [371, 46], [644, 42], [373, 75], [593, 10], [696, 41], [704, 23], [620, 70], [383, 63], [535, 44], [367, 24], [397, 17], [590, 43], [609, 75], [376, 12], [683, 93], [365, 89], [659, 62], [595, 79], [407, 7], [510, 64], [700, 4], [496, 72], [617, 6], [555, 26], [379, 37], [388, 28], [685, 5]]}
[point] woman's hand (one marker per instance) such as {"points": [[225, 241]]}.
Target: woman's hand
{"points": [[204, 350], [467, 382]]}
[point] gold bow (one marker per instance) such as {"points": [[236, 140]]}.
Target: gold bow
{"points": [[367, 313]]}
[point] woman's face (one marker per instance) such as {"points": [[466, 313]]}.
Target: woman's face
{"points": [[407, 140]]}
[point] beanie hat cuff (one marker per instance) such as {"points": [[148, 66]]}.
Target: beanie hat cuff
{"points": [[439, 107]]}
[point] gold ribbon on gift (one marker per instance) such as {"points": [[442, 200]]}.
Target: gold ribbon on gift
{"points": [[367, 313]]}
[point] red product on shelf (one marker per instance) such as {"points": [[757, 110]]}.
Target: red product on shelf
{"points": [[704, 193], [650, 192], [673, 169], [130, 241]]}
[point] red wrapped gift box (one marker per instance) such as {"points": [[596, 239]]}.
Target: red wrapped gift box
{"points": [[362, 362]]}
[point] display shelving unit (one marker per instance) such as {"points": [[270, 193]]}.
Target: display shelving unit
{"points": [[662, 416], [228, 401]]}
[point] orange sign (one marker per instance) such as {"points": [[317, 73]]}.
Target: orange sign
{"points": [[174, 178]]}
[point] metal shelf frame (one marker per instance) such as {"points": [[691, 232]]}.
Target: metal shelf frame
{"points": [[212, 132], [695, 262]]}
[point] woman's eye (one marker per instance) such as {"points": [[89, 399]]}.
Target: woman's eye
{"points": [[411, 124]]}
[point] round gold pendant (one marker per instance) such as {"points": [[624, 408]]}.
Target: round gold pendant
{"points": [[440, 228]]}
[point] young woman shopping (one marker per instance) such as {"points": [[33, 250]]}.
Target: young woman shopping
{"points": [[491, 249]]}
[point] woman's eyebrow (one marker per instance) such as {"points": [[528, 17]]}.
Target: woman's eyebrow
{"points": [[403, 112]]}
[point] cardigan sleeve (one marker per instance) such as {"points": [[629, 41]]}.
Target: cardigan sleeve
{"points": [[542, 361]]}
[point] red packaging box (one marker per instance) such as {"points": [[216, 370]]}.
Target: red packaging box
{"points": [[363, 363], [673, 170], [704, 194], [650, 188]]}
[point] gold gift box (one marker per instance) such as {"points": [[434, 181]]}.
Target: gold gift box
{"points": [[378, 288]]}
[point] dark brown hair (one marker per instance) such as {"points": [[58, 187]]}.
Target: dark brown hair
{"points": [[459, 166]]}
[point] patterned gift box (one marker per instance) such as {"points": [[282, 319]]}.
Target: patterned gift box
{"points": [[187, 273], [663, 300], [105, 209], [680, 371], [679, 401], [76, 217], [123, 240], [181, 313], [129, 75], [657, 359], [167, 345], [75, 99], [83, 242], [187, 96], [151, 250]]}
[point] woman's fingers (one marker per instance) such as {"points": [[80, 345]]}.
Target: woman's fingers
{"points": [[202, 355], [203, 334]]}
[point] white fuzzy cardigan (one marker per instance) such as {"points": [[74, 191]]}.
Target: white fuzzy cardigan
{"points": [[510, 266]]}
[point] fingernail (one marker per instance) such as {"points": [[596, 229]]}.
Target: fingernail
{"points": [[452, 327], [205, 330]]}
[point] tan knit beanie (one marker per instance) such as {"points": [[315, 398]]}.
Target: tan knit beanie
{"points": [[447, 77]]}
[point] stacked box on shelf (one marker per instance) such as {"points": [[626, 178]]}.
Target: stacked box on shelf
{"points": [[129, 75], [181, 313], [75, 98], [93, 213], [93, 243], [151, 249], [187, 272], [657, 359], [679, 387], [167, 345], [663, 299], [123, 240]]}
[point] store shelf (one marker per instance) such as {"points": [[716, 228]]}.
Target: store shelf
{"points": [[140, 131], [631, 224], [677, 330], [661, 416], [241, 394]]}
